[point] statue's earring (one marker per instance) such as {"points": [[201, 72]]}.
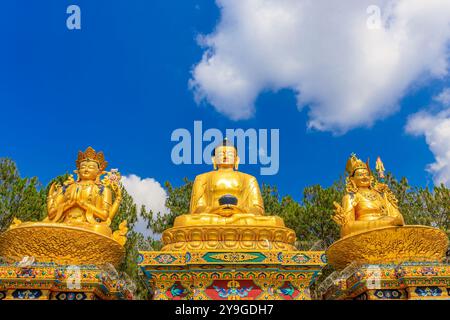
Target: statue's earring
{"points": [[97, 180], [214, 163], [236, 163], [353, 183]]}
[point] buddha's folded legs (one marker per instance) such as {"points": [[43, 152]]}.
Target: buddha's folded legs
{"points": [[236, 219]]}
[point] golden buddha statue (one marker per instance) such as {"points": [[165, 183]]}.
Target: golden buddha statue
{"points": [[372, 228], [368, 204], [79, 212], [226, 197]]}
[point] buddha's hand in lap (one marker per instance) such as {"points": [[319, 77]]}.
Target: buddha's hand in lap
{"points": [[388, 220], [227, 210]]}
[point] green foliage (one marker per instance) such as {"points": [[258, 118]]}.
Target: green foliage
{"points": [[19, 197], [310, 219], [135, 242], [177, 202], [422, 206]]}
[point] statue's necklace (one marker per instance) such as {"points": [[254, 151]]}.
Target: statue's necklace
{"points": [[372, 196]]}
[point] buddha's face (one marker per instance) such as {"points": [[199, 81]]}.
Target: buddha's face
{"points": [[88, 170], [361, 178], [225, 156]]}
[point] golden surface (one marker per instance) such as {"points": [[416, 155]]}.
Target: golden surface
{"points": [[228, 237], [79, 212], [239, 225], [247, 219], [61, 243], [368, 203], [389, 245], [224, 180], [88, 200]]}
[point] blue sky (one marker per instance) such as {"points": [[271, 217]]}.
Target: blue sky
{"points": [[120, 84]]}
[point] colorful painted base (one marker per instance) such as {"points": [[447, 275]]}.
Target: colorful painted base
{"points": [[50, 281], [405, 281], [225, 275]]}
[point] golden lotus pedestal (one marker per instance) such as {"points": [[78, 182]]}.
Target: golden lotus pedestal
{"points": [[53, 261], [60, 243], [405, 263], [235, 261], [228, 237]]}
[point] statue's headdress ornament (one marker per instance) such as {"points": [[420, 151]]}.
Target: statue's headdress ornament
{"points": [[91, 155], [354, 164]]}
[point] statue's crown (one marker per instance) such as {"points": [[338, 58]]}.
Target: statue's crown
{"points": [[90, 154], [354, 164]]}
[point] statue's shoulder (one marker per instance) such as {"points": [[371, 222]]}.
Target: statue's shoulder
{"points": [[67, 186], [246, 176], [350, 196], [203, 177], [104, 189]]}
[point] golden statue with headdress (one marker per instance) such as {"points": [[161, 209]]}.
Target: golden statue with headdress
{"points": [[79, 214], [88, 201], [368, 203], [372, 227]]}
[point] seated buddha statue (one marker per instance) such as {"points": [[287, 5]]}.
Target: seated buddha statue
{"points": [[368, 204], [88, 201], [225, 195]]}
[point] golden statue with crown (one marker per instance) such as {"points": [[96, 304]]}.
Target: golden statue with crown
{"points": [[368, 204], [79, 213], [372, 227]]}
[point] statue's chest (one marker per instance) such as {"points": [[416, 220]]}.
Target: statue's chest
{"points": [[225, 183], [82, 192], [369, 200]]}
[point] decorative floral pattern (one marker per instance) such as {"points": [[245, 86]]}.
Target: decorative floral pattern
{"points": [[428, 291], [165, 258]]}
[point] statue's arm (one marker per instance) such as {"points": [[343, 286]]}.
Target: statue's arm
{"points": [[55, 200], [349, 222], [102, 209], [255, 202], [393, 212], [115, 206], [348, 204], [198, 196], [51, 201]]}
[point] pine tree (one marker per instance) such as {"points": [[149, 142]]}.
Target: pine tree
{"points": [[22, 198]]}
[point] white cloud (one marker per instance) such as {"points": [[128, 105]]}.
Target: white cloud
{"points": [[436, 129], [348, 74], [444, 97], [147, 192]]}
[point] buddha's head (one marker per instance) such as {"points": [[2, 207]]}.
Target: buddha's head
{"points": [[225, 156], [90, 165], [359, 174]]}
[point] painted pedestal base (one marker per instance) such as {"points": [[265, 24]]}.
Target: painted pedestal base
{"points": [[225, 275], [50, 281], [405, 281]]}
